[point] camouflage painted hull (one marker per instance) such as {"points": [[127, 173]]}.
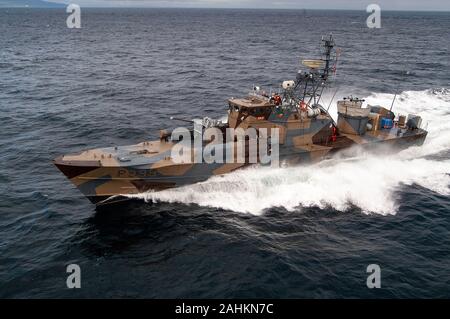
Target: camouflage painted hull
{"points": [[290, 119], [107, 175]]}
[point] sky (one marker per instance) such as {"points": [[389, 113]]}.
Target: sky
{"points": [[436, 5]]}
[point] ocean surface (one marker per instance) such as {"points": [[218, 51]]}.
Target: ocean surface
{"points": [[293, 232]]}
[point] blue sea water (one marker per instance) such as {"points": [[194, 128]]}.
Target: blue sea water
{"points": [[293, 232]]}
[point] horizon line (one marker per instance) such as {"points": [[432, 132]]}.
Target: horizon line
{"points": [[62, 5]]}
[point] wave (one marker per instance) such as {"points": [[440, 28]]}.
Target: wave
{"points": [[369, 182]]}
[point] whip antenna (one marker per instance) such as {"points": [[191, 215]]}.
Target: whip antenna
{"points": [[332, 98], [395, 95]]}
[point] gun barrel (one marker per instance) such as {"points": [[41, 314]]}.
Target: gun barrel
{"points": [[180, 119]]}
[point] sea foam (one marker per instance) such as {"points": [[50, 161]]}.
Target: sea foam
{"points": [[368, 181]]}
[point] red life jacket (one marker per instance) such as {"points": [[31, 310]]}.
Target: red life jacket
{"points": [[277, 99], [333, 133]]}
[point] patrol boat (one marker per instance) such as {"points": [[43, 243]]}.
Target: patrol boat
{"points": [[306, 133]]}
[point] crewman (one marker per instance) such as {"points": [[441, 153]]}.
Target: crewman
{"points": [[277, 99]]}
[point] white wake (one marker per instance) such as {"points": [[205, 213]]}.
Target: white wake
{"points": [[367, 181]]}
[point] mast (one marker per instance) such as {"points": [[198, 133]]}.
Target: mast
{"points": [[328, 46], [310, 85]]}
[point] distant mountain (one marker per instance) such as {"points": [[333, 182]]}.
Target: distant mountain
{"points": [[29, 4]]}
